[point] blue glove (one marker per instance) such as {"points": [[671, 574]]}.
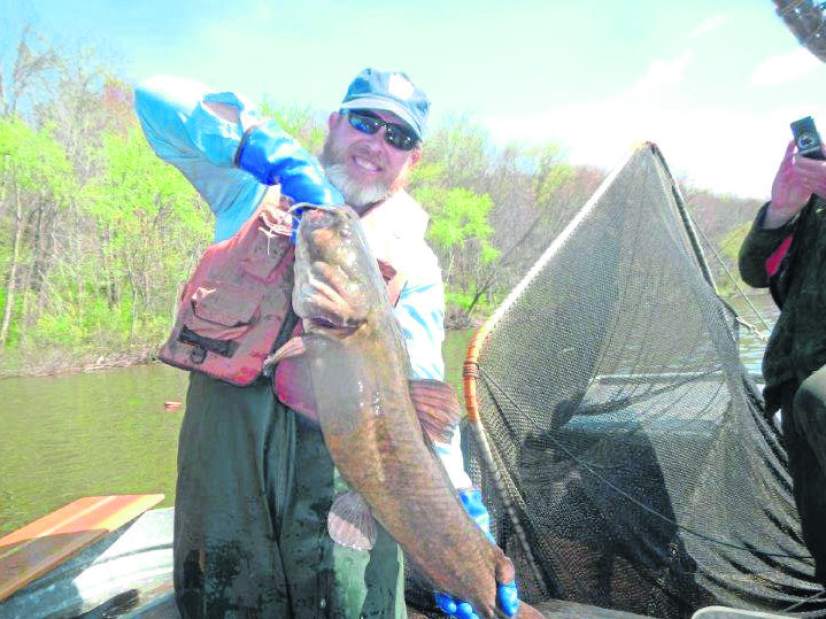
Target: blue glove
{"points": [[507, 596], [272, 156]]}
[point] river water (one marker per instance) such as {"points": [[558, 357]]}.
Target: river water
{"points": [[76, 435]]}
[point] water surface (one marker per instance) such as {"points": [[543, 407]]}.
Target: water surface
{"points": [[76, 435]]}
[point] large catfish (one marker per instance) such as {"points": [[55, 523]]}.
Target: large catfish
{"points": [[359, 371]]}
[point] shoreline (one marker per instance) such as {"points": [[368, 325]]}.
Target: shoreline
{"points": [[63, 362], [66, 362]]}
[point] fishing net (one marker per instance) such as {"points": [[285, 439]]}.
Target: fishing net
{"points": [[629, 465]]}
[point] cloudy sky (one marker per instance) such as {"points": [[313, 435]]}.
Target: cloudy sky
{"points": [[715, 84]]}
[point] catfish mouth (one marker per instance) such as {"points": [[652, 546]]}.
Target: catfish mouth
{"points": [[316, 216], [323, 323], [328, 328]]}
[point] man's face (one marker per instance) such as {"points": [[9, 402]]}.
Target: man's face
{"points": [[364, 167]]}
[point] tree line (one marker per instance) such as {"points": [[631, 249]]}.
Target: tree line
{"points": [[97, 235]]}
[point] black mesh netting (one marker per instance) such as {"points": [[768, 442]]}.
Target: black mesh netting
{"points": [[629, 440]]}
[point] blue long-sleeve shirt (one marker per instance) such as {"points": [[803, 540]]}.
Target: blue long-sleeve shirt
{"points": [[180, 122]]}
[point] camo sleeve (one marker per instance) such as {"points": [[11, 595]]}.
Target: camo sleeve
{"points": [[179, 120], [420, 313]]}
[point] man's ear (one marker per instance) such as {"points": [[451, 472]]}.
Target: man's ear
{"points": [[415, 156], [333, 119]]}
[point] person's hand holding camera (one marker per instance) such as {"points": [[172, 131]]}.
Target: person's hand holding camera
{"points": [[796, 180]]}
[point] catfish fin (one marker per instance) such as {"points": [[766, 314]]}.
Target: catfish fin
{"points": [[437, 408], [294, 347], [350, 522]]}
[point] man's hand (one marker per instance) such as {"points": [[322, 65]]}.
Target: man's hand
{"points": [[507, 596], [797, 179], [327, 295], [507, 599]]}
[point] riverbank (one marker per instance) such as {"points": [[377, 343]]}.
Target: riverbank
{"points": [[56, 362]]}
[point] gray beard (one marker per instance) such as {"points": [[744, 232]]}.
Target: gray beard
{"points": [[355, 194]]}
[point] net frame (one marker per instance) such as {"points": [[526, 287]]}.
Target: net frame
{"points": [[473, 373]]}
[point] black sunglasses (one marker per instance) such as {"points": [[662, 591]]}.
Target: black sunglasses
{"points": [[398, 136]]}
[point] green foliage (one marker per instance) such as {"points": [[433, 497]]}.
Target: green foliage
{"points": [[137, 190], [15, 328], [33, 161], [462, 151], [550, 173], [59, 330], [733, 240], [428, 173], [467, 301], [458, 216], [299, 122]]}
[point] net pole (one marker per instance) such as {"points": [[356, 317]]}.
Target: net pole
{"points": [[470, 378], [686, 219], [691, 232]]}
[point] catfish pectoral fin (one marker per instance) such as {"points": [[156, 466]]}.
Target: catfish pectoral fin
{"points": [[293, 347], [350, 522], [437, 408]]}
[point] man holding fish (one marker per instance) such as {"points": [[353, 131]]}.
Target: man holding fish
{"points": [[266, 524]]}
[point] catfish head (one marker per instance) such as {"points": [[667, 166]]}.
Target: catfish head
{"points": [[337, 279]]}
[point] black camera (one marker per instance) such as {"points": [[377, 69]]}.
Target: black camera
{"points": [[807, 138]]}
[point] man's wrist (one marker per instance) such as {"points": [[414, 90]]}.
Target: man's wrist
{"points": [[255, 150], [776, 217], [272, 156]]}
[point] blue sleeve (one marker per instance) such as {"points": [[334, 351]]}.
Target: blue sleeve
{"points": [[420, 312], [183, 131]]}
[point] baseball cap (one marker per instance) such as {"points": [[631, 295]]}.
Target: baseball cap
{"points": [[390, 91]]}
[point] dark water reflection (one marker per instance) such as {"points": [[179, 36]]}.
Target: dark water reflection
{"points": [[70, 436]]}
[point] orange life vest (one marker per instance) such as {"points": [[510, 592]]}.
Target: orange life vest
{"points": [[233, 306], [236, 301]]}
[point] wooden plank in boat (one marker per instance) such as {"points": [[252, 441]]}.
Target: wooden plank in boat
{"points": [[34, 549]]}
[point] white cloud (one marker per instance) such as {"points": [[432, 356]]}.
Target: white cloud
{"points": [[785, 68], [727, 151], [712, 146], [707, 25], [660, 76]]}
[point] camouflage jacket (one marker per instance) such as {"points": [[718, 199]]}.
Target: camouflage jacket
{"points": [[797, 346]]}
